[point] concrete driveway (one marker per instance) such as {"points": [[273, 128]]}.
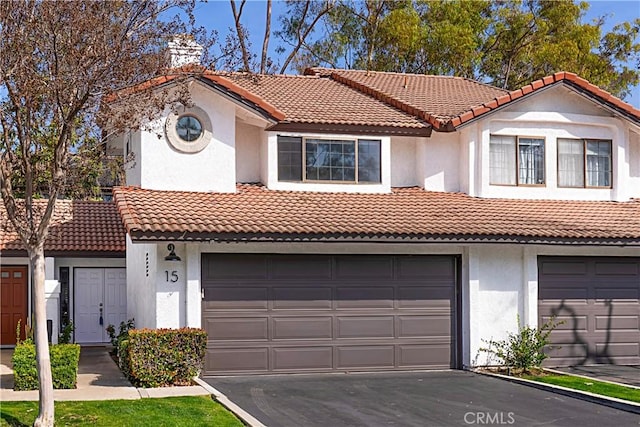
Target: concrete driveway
{"points": [[451, 398]]}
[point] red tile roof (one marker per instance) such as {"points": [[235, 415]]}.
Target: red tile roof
{"points": [[316, 100], [447, 102], [251, 97], [406, 214], [355, 101], [435, 99], [570, 79], [76, 226]]}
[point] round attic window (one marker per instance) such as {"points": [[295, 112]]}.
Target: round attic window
{"points": [[189, 130]]}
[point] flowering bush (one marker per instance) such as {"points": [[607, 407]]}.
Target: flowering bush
{"points": [[525, 349]]}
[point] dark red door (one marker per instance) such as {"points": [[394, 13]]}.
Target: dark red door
{"points": [[13, 302]]}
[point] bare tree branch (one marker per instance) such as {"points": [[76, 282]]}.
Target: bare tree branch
{"points": [[302, 31], [265, 43], [237, 14]]}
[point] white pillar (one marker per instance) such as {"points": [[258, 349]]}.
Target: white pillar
{"points": [[470, 305], [530, 286], [52, 297], [170, 282], [193, 294]]}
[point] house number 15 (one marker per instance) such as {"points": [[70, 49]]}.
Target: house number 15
{"points": [[171, 276]]}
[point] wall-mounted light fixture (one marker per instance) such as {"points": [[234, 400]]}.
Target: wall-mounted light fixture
{"points": [[172, 253]]}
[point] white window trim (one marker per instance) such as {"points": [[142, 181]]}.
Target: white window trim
{"points": [[178, 143], [517, 138], [585, 172], [329, 186], [356, 167]]}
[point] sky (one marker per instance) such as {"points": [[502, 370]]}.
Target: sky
{"points": [[216, 14]]}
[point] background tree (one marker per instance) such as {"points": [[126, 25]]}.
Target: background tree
{"points": [[507, 43], [58, 61], [297, 26], [532, 39], [242, 35], [238, 44]]}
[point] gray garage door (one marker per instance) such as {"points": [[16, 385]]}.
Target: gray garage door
{"points": [[599, 301], [321, 313]]}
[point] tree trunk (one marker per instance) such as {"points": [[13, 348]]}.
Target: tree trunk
{"points": [[43, 362], [265, 42]]}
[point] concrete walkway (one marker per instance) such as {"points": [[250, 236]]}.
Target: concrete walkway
{"points": [[98, 379]]}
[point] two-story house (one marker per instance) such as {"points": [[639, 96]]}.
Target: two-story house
{"points": [[348, 220]]}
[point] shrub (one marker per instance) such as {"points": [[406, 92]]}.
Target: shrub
{"points": [[28, 332], [125, 327], [64, 365], [162, 357], [525, 349], [123, 358], [65, 334], [25, 373]]}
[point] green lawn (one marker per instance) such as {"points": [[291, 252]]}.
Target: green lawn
{"points": [[583, 384], [171, 411]]}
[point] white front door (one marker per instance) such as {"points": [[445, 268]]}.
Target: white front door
{"points": [[100, 299]]}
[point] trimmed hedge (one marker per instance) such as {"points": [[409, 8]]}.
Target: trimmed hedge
{"points": [[162, 357], [64, 366]]}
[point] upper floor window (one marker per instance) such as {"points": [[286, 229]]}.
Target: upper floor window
{"points": [[516, 160], [584, 163], [332, 160]]}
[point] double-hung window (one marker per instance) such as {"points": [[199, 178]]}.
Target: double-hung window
{"points": [[584, 163], [516, 160], [331, 160]]}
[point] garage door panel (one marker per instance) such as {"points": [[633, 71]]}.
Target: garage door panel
{"points": [[361, 316], [411, 268], [237, 360], [249, 266], [424, 296], [618, 294], [567, 350], [604, 328], [364, 267], [620, 268], [295, 358], [236, 298], [564, 268], [427, 354], [302, 328], [577, 293], [308, 266], [237, 328], [351, 357], [364, 297], [615, 350], [365, 327], [424, 326], [617, 323], [298, 297], [567, 323]]}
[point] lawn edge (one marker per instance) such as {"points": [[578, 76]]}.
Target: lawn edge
{"points": [[556, 372], [219, 397], [612, 402]]}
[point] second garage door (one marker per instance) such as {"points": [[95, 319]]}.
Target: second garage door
{"points": [[598, 299], [321, 313]]}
